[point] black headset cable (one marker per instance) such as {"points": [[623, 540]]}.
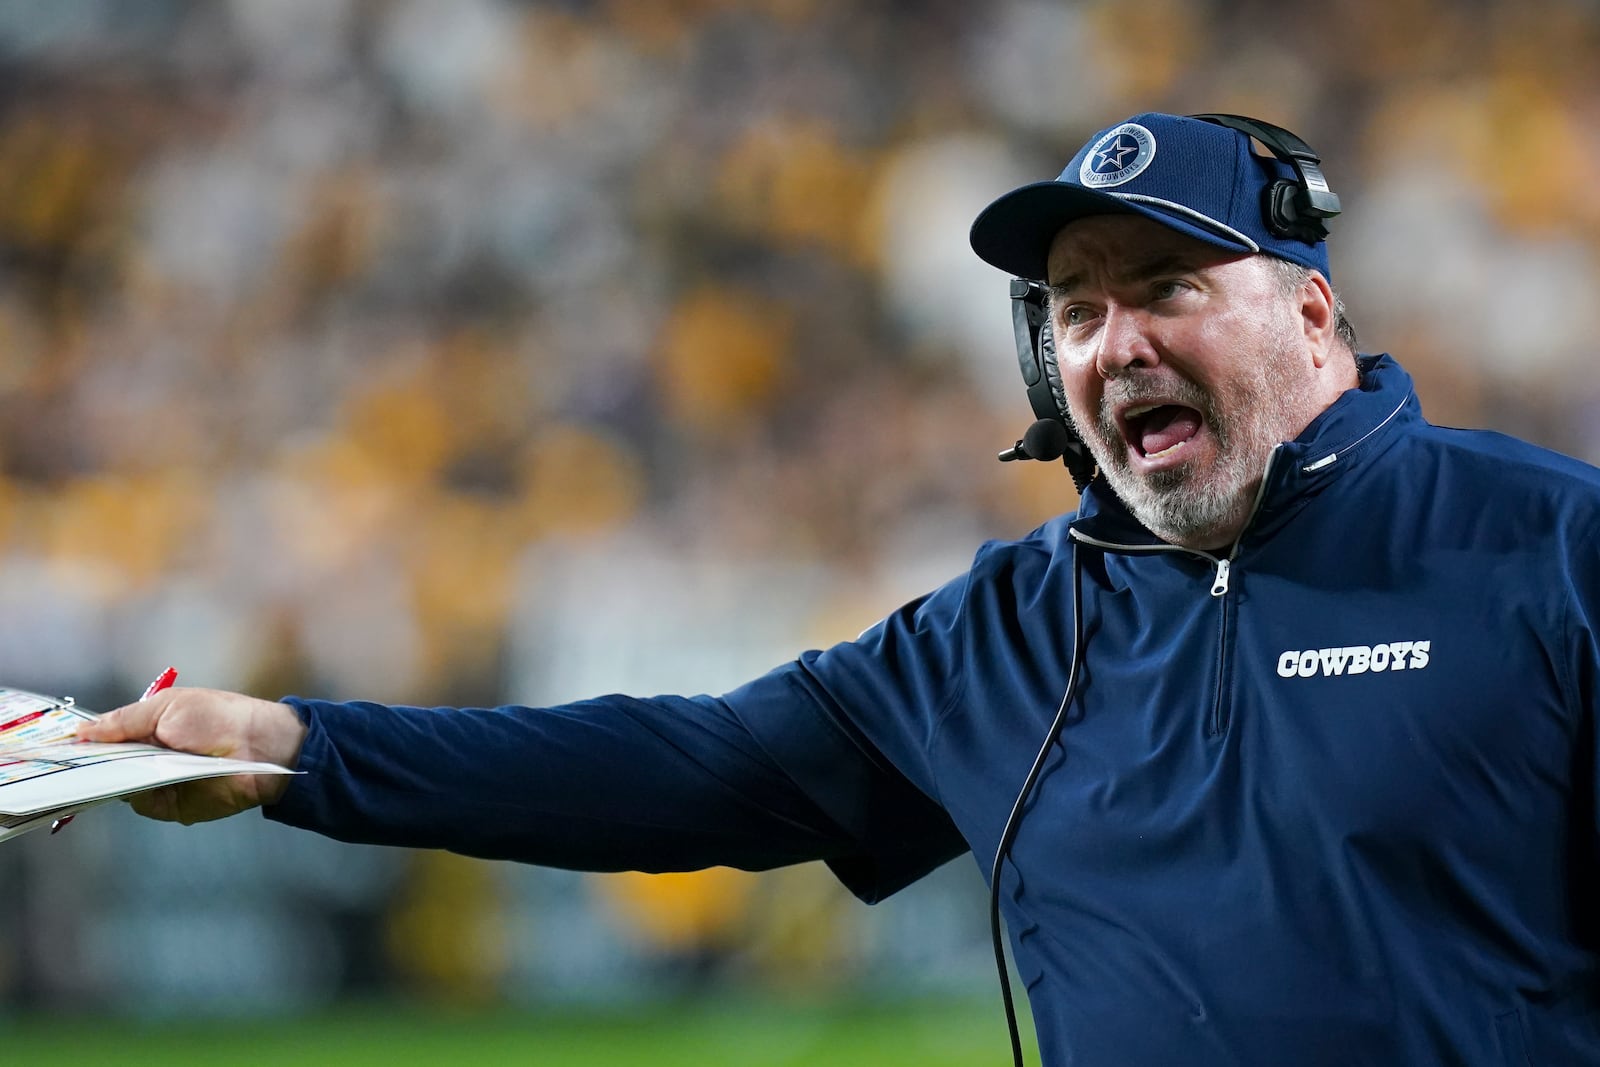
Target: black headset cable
{"points": [[1014, 820]]}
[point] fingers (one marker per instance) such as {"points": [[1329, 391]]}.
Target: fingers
{"points": [[159, 804], [186, 803], [197, 801], [131, 722]]}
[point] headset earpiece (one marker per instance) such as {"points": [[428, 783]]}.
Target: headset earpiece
{"points": [[1294, 209], [1036, 358], [1030, 320]]}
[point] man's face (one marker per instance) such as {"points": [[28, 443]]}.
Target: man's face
{"points": [[1183, 364]]}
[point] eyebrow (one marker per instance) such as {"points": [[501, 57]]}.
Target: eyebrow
{"points": [[1154, 267]]}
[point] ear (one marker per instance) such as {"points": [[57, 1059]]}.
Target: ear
{"points": [[1318, 318]]}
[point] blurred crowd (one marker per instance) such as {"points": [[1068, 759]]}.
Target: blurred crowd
{"points": [[476, 351]]}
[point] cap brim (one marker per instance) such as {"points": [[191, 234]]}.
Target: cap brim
{"points": [[1016, 231]]}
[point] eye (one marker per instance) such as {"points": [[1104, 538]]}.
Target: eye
{"points": [[1076, 314], [1167, 288]]}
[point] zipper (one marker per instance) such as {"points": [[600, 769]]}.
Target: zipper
{"points": [[1219, 584], [1218, 724], [1220, 704]]}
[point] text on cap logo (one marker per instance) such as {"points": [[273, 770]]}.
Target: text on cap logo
{"points": [[1120, 156]]}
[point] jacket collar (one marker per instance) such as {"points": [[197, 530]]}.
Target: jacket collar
{"points": [[1354, 427]]}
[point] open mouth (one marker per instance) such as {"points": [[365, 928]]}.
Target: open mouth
{"points": [[1158, 431]]}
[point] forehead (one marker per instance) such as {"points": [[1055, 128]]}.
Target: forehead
{"points": [[1118, 246]]}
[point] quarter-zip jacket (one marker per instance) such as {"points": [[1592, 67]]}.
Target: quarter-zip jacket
{"points": [[1327, 797]]}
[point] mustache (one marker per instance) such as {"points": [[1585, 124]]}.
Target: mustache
{"points": [[1137, 389]]}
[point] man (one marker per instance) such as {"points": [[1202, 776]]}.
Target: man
{"points": [[1324, 785]]}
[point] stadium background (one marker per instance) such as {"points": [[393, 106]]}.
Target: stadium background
{"points": [[471, 351]]}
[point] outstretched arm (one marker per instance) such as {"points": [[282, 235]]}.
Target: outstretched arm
{"points": [[668, 783]]}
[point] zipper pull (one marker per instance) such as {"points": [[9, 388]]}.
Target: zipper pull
{"points": [[1219, 587]]}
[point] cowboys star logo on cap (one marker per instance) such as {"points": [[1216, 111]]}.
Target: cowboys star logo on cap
{"points": [[1121, 155]]}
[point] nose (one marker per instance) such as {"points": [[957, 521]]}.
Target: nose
{"points": [[1125, 341]]}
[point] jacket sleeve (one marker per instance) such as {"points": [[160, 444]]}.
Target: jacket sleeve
{"points": [[615, 783], [815, 760]]}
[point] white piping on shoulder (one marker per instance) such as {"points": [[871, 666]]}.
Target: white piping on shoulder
{"points": [[1333, 457]]}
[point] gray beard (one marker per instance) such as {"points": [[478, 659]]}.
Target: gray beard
{"points": [[1188, 505]]}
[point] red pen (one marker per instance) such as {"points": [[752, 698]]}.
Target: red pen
{"points": [[163, 680]]}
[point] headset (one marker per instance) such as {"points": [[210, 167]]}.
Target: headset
{"points": [[1291, 208]]}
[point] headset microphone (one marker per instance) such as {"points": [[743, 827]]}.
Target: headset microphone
{"points": [[1046, 439]]}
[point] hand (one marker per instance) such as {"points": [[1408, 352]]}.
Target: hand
{"points": [[209, 722]]}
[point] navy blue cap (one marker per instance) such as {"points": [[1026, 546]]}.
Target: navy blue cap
{"points": [[1194, 176]]}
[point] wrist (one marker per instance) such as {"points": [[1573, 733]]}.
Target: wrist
{"points": [[279, 735], [278, 738]]}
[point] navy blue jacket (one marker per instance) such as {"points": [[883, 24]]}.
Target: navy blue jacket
{"points": [[1327, 800]]}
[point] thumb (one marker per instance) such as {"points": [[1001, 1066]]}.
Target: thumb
{"points": [[131, 722]]}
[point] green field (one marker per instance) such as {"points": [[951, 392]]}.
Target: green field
{"points": [[692, 1035]]}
